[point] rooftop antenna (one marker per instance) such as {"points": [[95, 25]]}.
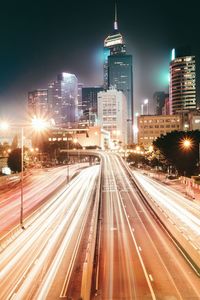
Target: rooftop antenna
{"points": [[115, 23]]}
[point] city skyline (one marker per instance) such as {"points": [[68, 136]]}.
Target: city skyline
{"points": [[39, 42]]}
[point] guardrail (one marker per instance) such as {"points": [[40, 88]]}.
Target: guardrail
{"points": [[88, 264], [190, 252]]}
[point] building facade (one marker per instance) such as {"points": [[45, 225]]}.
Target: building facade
{"points": [[151, 127], [159, 101], [63, 99], [86, 137], [112, 114], [120, 76], [182, 89], [89, 104], [38, 103], [118, 71]]}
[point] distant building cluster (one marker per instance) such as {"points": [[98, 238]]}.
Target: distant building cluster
{"points": [[70, 104], [110, 107], [176, 110]]}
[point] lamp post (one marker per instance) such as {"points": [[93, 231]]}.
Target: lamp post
{"points": [[186, 144], [38, 124], [75, 141], [22, 179]]}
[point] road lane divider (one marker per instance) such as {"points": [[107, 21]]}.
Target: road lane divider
{"points": [[93, 243]]}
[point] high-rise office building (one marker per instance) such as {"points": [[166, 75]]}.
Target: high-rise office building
{"points": [[182, 90], [89, 102], [112, 114], [63, 99], [114, 44], [159, 101], [118, 72], [37, 103]]}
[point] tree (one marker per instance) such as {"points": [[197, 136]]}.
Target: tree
{"points": [[185, 161], [14, 160], [136, 159]]}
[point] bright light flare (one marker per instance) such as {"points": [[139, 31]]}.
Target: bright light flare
{"points": [[186, 143], [4, 126], [39, 124], [75, 140]]}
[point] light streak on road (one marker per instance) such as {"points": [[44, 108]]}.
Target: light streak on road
{"points": [[158, 271], [36, 189], [37, 253], [175, 206], [120, 265]]}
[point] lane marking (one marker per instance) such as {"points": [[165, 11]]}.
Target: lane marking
{"points": [[151, 278], [139, 255]]}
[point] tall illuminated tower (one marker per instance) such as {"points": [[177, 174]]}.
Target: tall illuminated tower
{"points": [[114, 44], [118, 71], [182, 89], [63, 99]]}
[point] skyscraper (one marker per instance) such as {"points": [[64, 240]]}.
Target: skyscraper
{"points": [[63, 99], [37, 103], [118, 71], [182, 89], [114, 44]]}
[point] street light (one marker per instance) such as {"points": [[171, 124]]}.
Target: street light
{"points": [[186, 143], [37, 124]]}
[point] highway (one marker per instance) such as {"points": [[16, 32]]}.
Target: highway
{"points": [[38, 264], [137, 259], [37, 187], [184, 213]]}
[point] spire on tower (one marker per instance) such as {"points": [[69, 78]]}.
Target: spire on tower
{"points": [[115, 23]]}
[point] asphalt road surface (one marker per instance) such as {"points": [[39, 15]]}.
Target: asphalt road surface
{"points": [[137, 259]]}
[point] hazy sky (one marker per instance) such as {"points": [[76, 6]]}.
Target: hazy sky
{"points": [[39, 39]]}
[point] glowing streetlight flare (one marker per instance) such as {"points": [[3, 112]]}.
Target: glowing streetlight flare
{"points": [[186, 143], [39, 124], [4, 126]]}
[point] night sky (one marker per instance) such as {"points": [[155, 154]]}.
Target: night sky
{"points": [[39, 39]]}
